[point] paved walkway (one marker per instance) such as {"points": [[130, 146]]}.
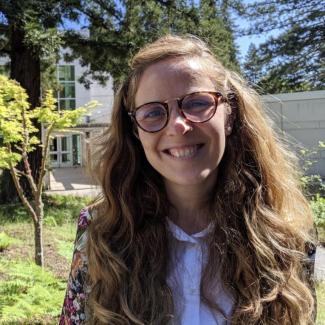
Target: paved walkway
{"points": [[71, 181], [320, 264]]}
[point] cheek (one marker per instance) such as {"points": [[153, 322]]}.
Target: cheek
{"points": [[148, 142], [222, 113], [218, 126]]}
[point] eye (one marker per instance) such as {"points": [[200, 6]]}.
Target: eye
{"points": [[198, 102], [152, 111]]}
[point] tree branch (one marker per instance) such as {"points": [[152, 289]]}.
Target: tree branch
{"points": [[14, 175], [43, 162], [25, 142]]}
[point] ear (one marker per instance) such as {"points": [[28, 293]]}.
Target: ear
{"points": [[135, 131], [232, 109], [230, 118]]}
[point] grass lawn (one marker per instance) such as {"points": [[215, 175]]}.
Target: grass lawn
{"points": [[320, 289], [29, 295]]}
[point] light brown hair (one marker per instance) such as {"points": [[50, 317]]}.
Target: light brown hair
{"points": [[260, 217]]}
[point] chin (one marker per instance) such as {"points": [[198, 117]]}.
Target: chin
{"points": [[190, 180]]}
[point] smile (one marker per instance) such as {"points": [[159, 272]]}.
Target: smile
{"points": [[184, 152]]}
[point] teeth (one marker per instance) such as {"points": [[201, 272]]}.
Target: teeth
{"points": [[185, 152]]}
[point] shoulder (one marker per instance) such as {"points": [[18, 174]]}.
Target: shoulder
{"points": [[85, 218]]}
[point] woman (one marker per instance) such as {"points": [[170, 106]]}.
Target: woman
{"points": [[202, 220]]}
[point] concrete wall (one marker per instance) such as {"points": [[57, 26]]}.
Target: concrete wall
{"points": [[300, 118]]}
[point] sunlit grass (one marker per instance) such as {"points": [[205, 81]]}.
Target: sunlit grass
{"points": [[320, 290]]}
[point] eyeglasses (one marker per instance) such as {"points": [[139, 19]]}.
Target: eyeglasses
{"points": [[198, 107]]}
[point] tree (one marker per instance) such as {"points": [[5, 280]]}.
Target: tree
{"points": [[30, 39], [252, 68], [19, 137], [118, 29], [216, 27], [293, 58]]}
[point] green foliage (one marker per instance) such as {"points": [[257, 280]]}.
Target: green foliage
{"points": [[17, 128], [117, 30], [59, 120], [313, 185], [13, 212], [292, 59], [15, 119], [64, 208], [65, 248], [318, 206], [28, 293], [37, 22], [5, 241], [58, 210]]}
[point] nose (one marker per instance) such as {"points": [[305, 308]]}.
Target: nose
{"points": [[177, 124]]}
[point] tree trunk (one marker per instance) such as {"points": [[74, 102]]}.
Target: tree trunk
{"points": [[38, 232], [26, 69]]}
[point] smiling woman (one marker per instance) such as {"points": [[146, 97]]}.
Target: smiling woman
{"points": [[201, 220]]}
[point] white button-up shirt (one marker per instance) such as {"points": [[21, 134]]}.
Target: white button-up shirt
{"points": [[188, 258]]}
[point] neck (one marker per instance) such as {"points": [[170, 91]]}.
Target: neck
{"points": [[189, 208]]}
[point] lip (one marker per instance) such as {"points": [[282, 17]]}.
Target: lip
{"points": [[183, 146], [198, 147]]}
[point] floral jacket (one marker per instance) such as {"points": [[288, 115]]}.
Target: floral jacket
{"points": [[74, 311]]}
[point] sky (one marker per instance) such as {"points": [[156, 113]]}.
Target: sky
{"points": [[244, 42]]}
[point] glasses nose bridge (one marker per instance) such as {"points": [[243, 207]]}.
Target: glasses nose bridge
{"points": [[178, 101]]}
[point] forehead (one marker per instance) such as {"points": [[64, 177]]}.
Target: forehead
{"points": [[172, 78]]}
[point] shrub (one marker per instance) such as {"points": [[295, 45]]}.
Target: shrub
{"points": [[58, 209], [313, 185], [318, 207], [5, 241], [29, 295]]}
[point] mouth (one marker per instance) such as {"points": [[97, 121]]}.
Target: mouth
{"points": [[184, 152]]}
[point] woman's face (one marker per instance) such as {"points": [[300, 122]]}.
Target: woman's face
{"points": [[184, 153]]}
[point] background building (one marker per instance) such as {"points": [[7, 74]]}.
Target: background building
{"points": [[300, 118], [70, 149]]}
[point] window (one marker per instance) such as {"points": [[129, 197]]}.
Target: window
{"points": [[67, 94]]}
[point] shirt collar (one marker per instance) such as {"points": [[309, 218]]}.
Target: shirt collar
{"points": [[181, 235]]}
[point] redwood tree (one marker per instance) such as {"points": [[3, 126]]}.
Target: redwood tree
{"points": [[30, 41]]}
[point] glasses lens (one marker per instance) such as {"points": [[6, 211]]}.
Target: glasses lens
{"points": [[199, 107], [151, 117]]}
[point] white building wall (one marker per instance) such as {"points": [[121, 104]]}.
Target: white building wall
{"points": [[300, 118], [104, 95]]}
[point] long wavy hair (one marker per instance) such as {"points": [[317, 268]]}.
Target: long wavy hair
{"points": [[261, 219]]}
